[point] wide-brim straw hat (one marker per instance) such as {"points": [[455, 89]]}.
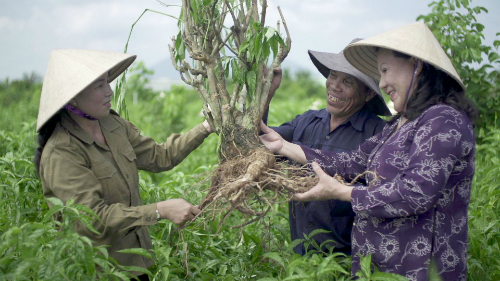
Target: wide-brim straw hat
{"points": [[414, 39], [70, 71], [325, 62]]}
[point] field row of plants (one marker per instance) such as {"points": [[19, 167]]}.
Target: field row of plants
{"points": [[34, 247]]}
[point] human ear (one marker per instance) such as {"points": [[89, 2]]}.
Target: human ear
{"points": [[418, 64], [369, 95]]}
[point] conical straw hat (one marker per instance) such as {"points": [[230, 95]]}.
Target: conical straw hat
{"points": [[70, 71], [414, 39]]}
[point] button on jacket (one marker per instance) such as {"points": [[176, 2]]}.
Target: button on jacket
{"points": [[105, 178], [312, 129]]}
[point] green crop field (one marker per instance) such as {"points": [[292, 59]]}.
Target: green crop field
{"points": [[35, 247]]}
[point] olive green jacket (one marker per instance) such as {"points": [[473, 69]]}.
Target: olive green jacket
{"points": [[105, 178]]}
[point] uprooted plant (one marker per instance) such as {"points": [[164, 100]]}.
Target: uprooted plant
{"points": [[248, 178]]}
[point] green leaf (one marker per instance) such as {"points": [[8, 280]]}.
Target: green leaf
{"points": [[273, 42], [317, 231], [211, 263], [55, 201], [194, 7], [276, 257], [138, 269], [137, 251], [122, 275], [180, 48], [493, 56], [236, 75], [52, 211], [88, 223], [270, 32], [222, 270], [366, 263], [266, 51], [280, 40], [87, 210], [295, 243], [251, 78], [244, 47], [103, 251], [165, 272]]}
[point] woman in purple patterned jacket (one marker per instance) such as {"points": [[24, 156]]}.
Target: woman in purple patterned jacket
{"points": [[413, 212]]}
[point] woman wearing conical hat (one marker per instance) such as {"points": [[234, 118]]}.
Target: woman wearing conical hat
{"points": [[413, 211], [89, 154]]}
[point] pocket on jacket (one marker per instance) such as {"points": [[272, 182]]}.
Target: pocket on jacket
{"points": [[129, 154], [106, 173], [104, 170]]}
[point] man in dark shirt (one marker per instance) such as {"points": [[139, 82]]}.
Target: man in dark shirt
{"points": [[353, 103]]}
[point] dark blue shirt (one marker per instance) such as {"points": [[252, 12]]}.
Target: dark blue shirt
{"points": [[312, 129]]}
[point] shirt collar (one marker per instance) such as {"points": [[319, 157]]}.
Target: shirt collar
{"points": [[357, 119], [108, 123]]}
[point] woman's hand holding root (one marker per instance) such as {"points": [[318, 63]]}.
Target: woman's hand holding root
{"points": [[178, 211], [326, 189]]}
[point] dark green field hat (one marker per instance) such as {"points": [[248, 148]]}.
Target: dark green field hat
{"points": [[325, 62], [415, 40]]}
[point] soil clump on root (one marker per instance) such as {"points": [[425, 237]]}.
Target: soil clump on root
{"points": [[253, 184]]}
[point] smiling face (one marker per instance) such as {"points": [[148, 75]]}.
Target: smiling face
{"points": [[95, 100], [395, 76], [345, 94]]}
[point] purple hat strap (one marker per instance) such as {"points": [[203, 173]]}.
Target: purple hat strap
{"points": [[78, 112]]}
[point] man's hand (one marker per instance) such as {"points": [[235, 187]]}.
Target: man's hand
{"points": [[272, 140], [178, 211], [326, 189]]}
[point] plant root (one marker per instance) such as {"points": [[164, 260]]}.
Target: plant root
{"points": [[253, 184]]}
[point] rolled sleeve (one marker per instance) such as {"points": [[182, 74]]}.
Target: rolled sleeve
{"points": [[155, 157]]}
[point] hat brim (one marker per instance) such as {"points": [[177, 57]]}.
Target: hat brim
{"points": [[415, 40], [71, 71], [325, 62]]}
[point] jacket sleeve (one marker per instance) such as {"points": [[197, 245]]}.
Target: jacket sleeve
{"points": [[346, 164], [66, 175], [154, 157], [439, 148]]}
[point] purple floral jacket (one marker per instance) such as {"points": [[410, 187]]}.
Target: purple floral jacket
{"points": [[415, 210]]}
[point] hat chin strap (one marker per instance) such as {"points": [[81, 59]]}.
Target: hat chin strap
{"points": [[79, 112], [411, 84]]}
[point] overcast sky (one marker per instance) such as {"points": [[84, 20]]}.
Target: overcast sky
{"points": [[30, 29]]}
